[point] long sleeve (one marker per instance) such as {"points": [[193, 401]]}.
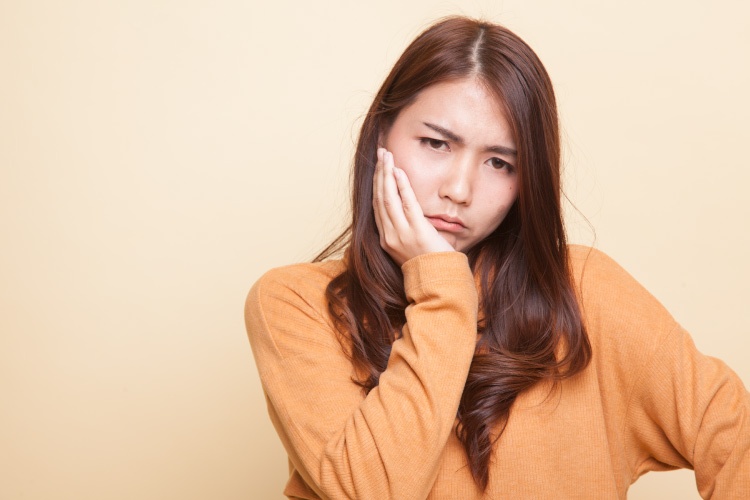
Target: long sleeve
{"points": [[345, 445], [667, 405], [688, 407]]}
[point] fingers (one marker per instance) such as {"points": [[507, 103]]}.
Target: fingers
{"points": [[377, 194], [403, 230], [411, 208], [384, 196], [391, 196]]}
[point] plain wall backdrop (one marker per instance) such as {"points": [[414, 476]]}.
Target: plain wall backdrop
{"points": [[156, 157]]}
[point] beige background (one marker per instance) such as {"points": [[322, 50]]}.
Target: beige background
{"points": [[157, 156]]}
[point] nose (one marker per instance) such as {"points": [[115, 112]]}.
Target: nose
{"points": [[457, 180]]}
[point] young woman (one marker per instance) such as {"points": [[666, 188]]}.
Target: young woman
{"points": [[460, 348]]}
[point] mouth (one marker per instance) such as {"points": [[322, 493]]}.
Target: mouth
{"points": [[446, 223]]}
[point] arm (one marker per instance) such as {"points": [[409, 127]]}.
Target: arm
{"points": [[688, 407], [388, 444], [668, 406]]}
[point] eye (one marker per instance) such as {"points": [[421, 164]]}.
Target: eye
{"points": [[436, 144], [498, 163]]}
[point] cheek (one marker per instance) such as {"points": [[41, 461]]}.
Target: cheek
{"points": [[509, 192], [498, 204], [417, 177], [421, 176]]}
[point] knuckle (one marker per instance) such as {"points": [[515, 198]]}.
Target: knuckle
{"points": [[392, 241]]}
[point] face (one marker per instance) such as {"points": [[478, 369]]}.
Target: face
{"points": [[456, 146]]}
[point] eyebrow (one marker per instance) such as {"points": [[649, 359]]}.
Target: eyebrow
{"points": [[452, 136]]}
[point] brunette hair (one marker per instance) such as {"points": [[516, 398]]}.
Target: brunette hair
{"points": [[530, 323]]}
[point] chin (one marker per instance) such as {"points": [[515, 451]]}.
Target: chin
{"points": [[459, 246], [449, 238]]}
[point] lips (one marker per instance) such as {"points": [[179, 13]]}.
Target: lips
{"points": [[446, 223]]}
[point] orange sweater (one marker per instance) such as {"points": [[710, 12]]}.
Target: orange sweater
{"points": [[648, 400]]}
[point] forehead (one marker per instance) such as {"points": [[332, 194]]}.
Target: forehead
{"points": [[466, 107]]}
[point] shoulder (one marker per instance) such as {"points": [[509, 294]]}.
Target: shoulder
{"points": [[288, 305], [304, 277], [591, 267], [599, 280], [626, 325], [617, 309]]}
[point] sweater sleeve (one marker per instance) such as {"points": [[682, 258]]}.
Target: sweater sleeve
{"points": [[387, 444], [690, 407], [668, 405]]}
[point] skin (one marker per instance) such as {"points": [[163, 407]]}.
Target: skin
{"points": [[445, 177]]}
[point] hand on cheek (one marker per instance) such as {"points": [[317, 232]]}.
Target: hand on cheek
{"points": [[404, 231]]}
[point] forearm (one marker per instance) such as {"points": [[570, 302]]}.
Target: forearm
{"points": [[387, 444]]}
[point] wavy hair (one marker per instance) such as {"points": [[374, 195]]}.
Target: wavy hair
{"points": [[530, 322]]}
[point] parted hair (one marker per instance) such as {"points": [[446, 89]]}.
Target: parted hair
{"points": [[530, 325]]}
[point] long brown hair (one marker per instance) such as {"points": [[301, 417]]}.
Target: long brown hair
{"points": [[528, 308]]}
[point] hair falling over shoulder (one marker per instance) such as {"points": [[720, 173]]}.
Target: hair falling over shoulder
{"points": [[530, 326]]}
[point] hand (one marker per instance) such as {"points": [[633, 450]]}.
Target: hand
{"points": [[404, 231]]}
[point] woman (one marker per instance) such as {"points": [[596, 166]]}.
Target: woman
{"points": [[461, 349]]}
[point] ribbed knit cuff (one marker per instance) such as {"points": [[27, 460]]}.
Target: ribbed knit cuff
{"points": [[436, 267]]}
